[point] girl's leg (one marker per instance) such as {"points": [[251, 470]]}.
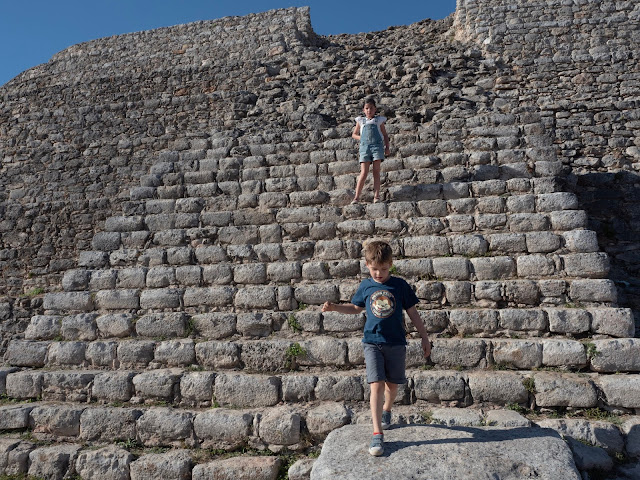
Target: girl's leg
{"points": [[390, 392], [376, 179], [375, 400], [364, 171]]}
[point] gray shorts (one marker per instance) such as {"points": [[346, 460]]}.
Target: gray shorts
{"points": [[385, 363], [370, 153]]}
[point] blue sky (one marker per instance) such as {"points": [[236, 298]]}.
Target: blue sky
{"points": [[32, 31]]}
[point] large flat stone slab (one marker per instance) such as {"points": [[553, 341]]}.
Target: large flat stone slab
{"points": [[435, 452]]}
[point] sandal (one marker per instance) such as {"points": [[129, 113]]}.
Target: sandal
{"points": [[354, 201], [376, 199]]}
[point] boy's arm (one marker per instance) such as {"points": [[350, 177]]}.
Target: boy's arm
{"points": [[349, 308], [356, 132], [414, 316], [383, 129]]}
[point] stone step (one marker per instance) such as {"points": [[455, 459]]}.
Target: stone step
{"points": [[443, 322], [132, 441], [206, 388], [324, 351], [246, 297]]}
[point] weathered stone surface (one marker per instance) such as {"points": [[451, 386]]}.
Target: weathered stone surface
{"points": [[113, 386], [108, 424], [620, 390], [601, 434], [523, 354], [325, 418], [512, 453], [108, 463], [616, 355], [564, 390], [280, 426], [506, 419], [439, 386], [456, 417], [497, 387], [222, 428], [60, 421], [165, 427], [52, 462], [247, 390], [238, 468], [172, 465], [14, 417]]}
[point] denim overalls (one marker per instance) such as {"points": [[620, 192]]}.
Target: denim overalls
{"points": [[371, 143]]}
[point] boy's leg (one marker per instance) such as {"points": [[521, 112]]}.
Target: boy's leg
{"points": [[376, 400], [376, 179], [364, 171], [390, 393]]}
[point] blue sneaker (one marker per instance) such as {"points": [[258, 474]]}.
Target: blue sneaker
{"points": [[377, 445], [386, 419]]}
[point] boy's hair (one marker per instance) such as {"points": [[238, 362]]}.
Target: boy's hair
{"points": [[377, 252], [370, 101]]}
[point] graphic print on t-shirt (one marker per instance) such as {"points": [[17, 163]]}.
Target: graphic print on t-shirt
{"points": [[382, 303]]}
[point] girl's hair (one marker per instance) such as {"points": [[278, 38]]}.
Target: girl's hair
{"points": [[370, 101], [377, 252]]}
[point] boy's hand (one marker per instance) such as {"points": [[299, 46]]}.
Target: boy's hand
{"points": [[426, 347], [387, 151], [327, 307]]}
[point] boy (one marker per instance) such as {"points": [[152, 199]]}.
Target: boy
{"points": [[383, 296], [371, 133]]}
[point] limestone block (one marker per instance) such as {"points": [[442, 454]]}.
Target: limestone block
{"points": [[581, 241], [67, 385], [549, 202], [470, 245], [115, 325], [256, 297], [588, 457], [522, 292], [68, 301], [573, 320], [507, 242], [414, 268], [521, 203], [247, 234], [214, 354], [490, 221], [247, 390], [593, 291], [506, 419], [56, 420], [527, 222], [107, 463], [620, 390], [488, 290], [631, 430], [474, 321], [280, 426], [493, 268], [426, 246], [317, 294], [255, 324], [564, 390], [452, 353], [196, 387], [460, 223], [432, 208], [308, 321], [158, 427], [252, 273], [52, 462], [339, 388], [14, 417], [344, 268], [25, 353], [113, 386], [568, 220], [106, 241], [542, 242], [124, 224], [424, 225], [456, 417], [600, 434], [325, 418], [617, 322], [66, 353], [175, 353], [323, 351], [4, 371], [125, 299], [208, 296], [161, 325], [174, 465], [522, 319], [24, 384], [156, 384], [160, 276], [134, 353], [521, 354], [79, 327], [221, 428], [532, 266], [559, 353], [160, 298], [301, 469], [239, 468], [75, 280], [210, 254], [283, 272], [586, 265], [108, 424], [338, 322], [298, 387], [43, 327], [214, 325], [457, 293], [93, 259], [267, 355], [322, 230], [439, 386], [453, 268], [497, 387]]}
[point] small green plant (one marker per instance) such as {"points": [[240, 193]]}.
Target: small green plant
{"points": [[129, 444], [427, 416], [292, 354], [34, 292], [592, 350], [190, 327], [293, 323], [516, 408], [529, 385], [302, 306], [393, 270]]}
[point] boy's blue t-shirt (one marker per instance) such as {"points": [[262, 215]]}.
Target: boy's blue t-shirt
{"points": [[384, 303]]}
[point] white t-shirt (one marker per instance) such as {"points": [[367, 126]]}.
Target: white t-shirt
{"points": [[377, 121]]}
